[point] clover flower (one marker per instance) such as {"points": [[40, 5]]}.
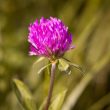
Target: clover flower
{"points": [[49, 38]]}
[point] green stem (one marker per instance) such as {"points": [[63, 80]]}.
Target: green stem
{"points": [[51, 85]]}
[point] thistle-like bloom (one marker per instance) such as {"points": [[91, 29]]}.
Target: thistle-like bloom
{"points": [[49, 38]]}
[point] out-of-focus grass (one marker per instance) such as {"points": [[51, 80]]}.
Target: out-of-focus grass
{"points": [[89, 22]]}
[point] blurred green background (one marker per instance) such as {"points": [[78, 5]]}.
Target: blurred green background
{"points": [[89, 22]]}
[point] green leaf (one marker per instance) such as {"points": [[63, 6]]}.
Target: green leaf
{"points": [[40, 71], [37, 66], [58, 101], [75, 65], [24, 95], [40, 59], [43, 104], [63, 65]]}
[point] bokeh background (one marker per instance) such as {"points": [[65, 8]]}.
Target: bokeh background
{"points": [[88, 21]]}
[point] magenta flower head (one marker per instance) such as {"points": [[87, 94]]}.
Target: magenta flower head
{"points": [[49, 38]]}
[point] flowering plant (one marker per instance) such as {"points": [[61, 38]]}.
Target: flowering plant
{"points": [[48, 39]]}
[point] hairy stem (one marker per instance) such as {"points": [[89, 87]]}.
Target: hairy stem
{"points": [[51, 85]]}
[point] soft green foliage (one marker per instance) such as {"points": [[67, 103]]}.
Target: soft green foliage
{"points": [[63, 66], [89, 22], [58, 101], [40, 65], [24, 95]]}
